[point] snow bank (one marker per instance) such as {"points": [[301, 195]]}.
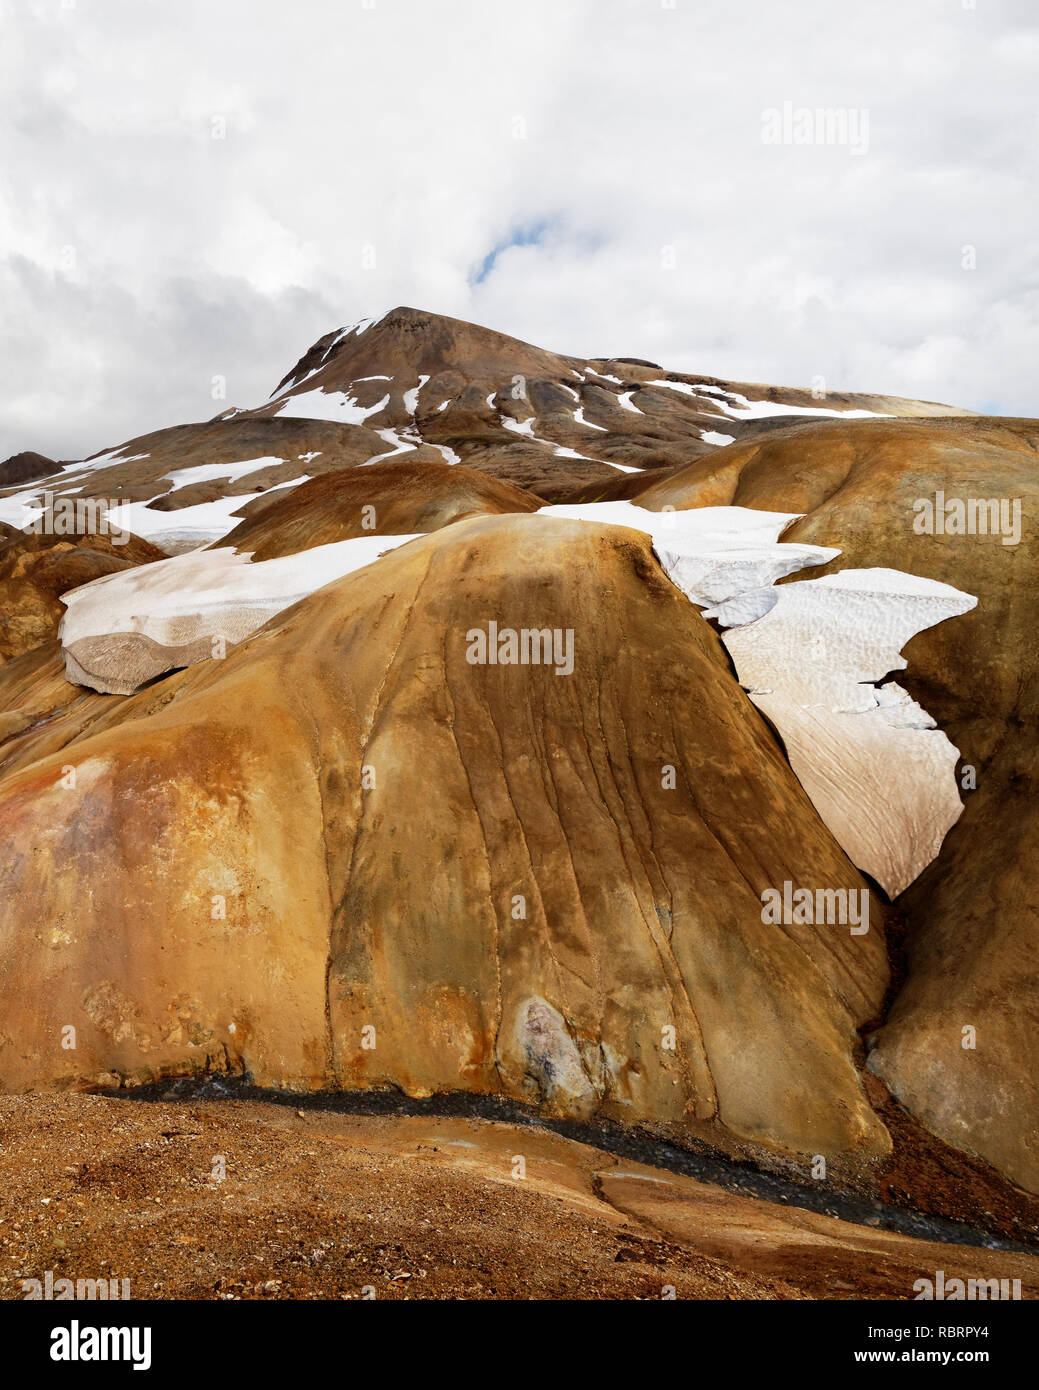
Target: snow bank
{"points": [[810, 655], [125, 629]]}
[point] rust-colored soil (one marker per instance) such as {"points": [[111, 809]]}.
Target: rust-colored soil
{"points": [[317, 1205]]}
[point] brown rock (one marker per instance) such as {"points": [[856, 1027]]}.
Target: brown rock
{"points": [[387, 499], [481, 863], [36, 569], [972, 954], [24, 467]]}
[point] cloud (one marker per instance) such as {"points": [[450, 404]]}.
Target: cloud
{"points": [[192, 190]]}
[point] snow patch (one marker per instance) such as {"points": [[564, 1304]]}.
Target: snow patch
{"points": [[177, 607], [411, 397], [878, 771], [400, 445], [328, 405], [195, 526], [746, 409], [525, 427], [580, 420], [210, 472]]}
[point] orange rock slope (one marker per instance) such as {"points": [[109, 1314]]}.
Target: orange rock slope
{"points": [[344, 856]]}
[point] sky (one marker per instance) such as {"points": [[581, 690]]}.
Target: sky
{"points": [[196, 190]]}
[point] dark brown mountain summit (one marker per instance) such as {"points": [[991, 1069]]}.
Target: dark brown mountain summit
{"points": [[425, 388], [24, 467]]}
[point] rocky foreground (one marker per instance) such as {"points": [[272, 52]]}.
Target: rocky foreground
{"points": [[472, 720], [245, 1200]]}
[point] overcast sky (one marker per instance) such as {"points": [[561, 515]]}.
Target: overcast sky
{"points": [[194, 188]]}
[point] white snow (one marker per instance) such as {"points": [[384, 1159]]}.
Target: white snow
{"points": [[712, 527], [682, 386], [206, 521], [19, 509], [210, 472], [727, 556], [408, 437], [879, 773], [624, 401], [356, 329], [411, 397], [197, 525], [328, 405], [857, 621], [109, 459], [580, 420], [196, 595], [759, 410], [713, 437], [520, 426], [400, 445], [561, 451], [737, 581]]}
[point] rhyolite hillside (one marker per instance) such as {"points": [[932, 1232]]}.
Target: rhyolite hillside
{"points": [[263, 814]]}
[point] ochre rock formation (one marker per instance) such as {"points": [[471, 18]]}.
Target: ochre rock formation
{"points": [[520, 880], [387, 499], [36, 569], [973, 945]]}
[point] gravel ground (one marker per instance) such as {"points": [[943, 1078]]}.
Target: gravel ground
{"points": [[250, 1200]]}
